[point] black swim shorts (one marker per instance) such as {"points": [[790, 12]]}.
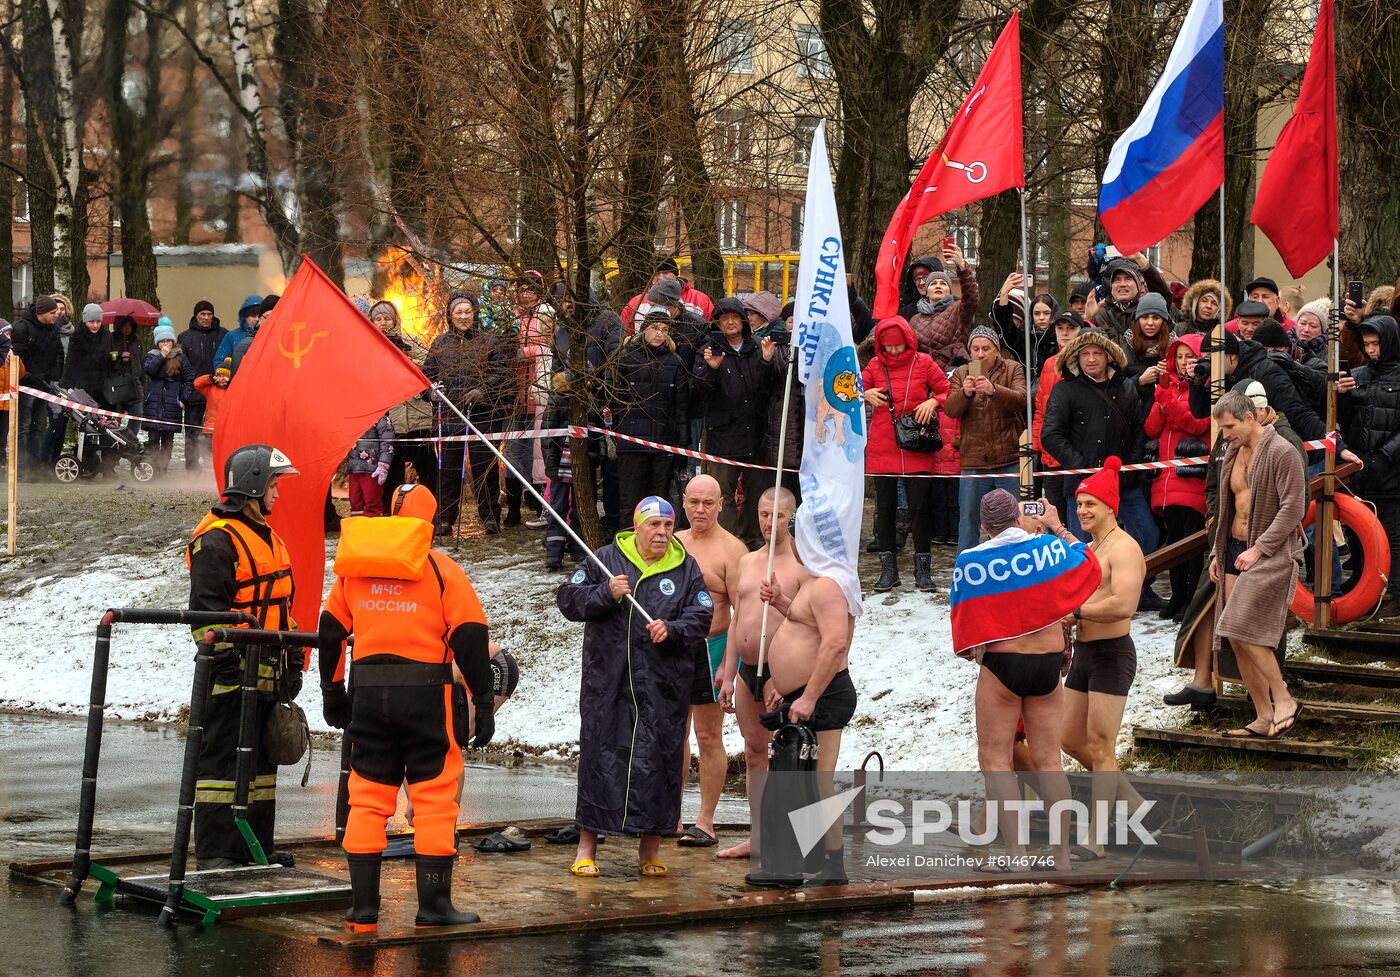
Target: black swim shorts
{"points": [[835, 707], [1107, 665]]}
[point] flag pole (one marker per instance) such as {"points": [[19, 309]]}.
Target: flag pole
{"points": [[13, 450], [525, 482], [773, 528], [1217, 384], [1027, 445], [1322, 535]]}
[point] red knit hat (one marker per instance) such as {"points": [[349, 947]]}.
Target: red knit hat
{"points": [[1103, 484]]}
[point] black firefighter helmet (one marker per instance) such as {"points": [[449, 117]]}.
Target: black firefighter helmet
{"points": [[247, 473]]}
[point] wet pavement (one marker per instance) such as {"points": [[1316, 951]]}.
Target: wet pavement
{"points": [[1159, 929]]}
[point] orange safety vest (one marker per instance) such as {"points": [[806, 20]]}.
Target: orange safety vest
{"points": [[263, 571]]}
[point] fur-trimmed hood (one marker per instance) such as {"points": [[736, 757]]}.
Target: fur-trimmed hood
{"points": [[1195, 290], [1067, 360]]}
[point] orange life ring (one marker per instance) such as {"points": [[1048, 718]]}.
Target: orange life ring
{"points": [[1367, 586]]}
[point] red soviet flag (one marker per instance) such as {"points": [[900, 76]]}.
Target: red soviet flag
{"points": [[1296, 205], [317, 376], [980, 156]]}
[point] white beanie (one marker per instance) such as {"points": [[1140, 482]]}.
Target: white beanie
{"points": [[1322, 308]]}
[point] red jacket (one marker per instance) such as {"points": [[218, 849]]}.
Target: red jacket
{"points": [[1170, 421], [1049, 376], [913, 379], [949, 460]]}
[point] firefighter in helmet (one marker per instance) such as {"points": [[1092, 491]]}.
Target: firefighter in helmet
{"points": [[414, 615], [237, 562]]}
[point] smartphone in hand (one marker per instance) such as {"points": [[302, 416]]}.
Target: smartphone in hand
{"points": [[1355, 292]]}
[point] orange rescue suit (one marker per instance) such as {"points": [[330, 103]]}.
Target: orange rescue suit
{"points": [[411, 618]]}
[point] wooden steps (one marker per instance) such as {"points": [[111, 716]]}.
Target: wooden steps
{"points": [[1320, 752], [1370, 676], [1337, 712], [1372, 642]]}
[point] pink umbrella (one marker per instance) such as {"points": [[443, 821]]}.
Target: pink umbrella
{"points": [[144, 313]]}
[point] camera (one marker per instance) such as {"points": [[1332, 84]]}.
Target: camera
{"points": [[1032, 508], [1201, 374]]}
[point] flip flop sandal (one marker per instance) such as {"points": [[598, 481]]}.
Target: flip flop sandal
{"points": [[1243, 733], [1287, 724], [563, 836], [1078, 853], [696, 837], [992, 868], [586, 868], [497, 843], [652, 869]]}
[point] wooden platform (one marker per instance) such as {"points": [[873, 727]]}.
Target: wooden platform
{"points": [[1371, 642], [1315, 709], [1369, 676], [532, 893], [1318, 752]]}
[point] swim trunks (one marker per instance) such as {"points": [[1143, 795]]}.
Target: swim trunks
{"points": [[1234, 549], [708, 659], [1107, 665], [1028, 675], [836, 705]]}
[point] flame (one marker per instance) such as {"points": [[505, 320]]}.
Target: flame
{"points": [[413, 294]]}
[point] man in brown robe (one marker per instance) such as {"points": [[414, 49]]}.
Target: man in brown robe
{"points": [[1261, 510]]}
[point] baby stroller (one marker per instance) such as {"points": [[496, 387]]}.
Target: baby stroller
{"points": [[100, 443]]}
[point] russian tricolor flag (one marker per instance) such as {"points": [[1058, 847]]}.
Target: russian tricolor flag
{"points": [[1017, 584], [1172, 158]]}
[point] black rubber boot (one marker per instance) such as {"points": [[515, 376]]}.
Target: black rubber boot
{"points": [[923, 572], [889, 573], [363, 916], [435, 893]]}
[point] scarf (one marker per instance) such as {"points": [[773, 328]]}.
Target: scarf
{"points": [[933, 308]]}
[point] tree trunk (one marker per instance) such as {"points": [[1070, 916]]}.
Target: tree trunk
{"points": [[308, 118], [880, 65], [1368, 101], [643, 167], [538, 217], [7, 162], [189, 100], [133, 134], [39, 168]]}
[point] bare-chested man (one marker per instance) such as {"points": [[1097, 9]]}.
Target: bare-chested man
{"points": [[1262, 500], [808, 656], [1105, 659], [718, 552], [741, 654]]}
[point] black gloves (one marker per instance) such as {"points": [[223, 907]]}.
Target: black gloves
{"points": [[485, 706], [335, 704], [292, 677]]}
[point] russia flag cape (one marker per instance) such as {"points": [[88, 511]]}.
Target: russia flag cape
{"points": [[1172, 158], [1017, 584]]}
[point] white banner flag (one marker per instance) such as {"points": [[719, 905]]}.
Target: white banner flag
{"points": [[833, 444]]}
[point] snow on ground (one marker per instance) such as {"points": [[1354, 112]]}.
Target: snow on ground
{"points": [[916, 698]]}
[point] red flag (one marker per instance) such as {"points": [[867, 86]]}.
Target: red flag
{"points": [[1297, 202], [317, 376], [980, 156]]}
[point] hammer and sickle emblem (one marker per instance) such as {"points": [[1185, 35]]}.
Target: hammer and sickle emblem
{"points": [[298, 350]]}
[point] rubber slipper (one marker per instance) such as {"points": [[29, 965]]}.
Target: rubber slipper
{"points": [[1078, 853], [1243, 733], [563, 836], [992, 868], [697, 837], [652, 869], [1274, 728], [585, 868], [497, 843]]}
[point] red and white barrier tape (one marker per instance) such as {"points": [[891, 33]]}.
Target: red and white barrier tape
{"points": [[1329, 443]]}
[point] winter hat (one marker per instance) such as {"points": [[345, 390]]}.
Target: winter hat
{"points": [[1081, 291], [938, 275], [225, 368], [665, 292], [765, 304], [668, 263], [1103, 484], [164, 331], [1270, 335], [1152, 303], [44, 304], [269, 303], [1255, 391], [730, 306], [999, 510], [1266, 283], [1016, 299], [384, 305], [1251, 310], [203, 305], [1115, 265], [1322, 308], [1067, 359], [361, 303], [456, 299], [252, 305], [92, 312], [652, 507], [1232, 344], [985, 333]]}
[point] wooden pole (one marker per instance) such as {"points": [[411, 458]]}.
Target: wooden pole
{"points": [[12, 470], [1217, 387], [1322, 531], [1027, 470]]}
